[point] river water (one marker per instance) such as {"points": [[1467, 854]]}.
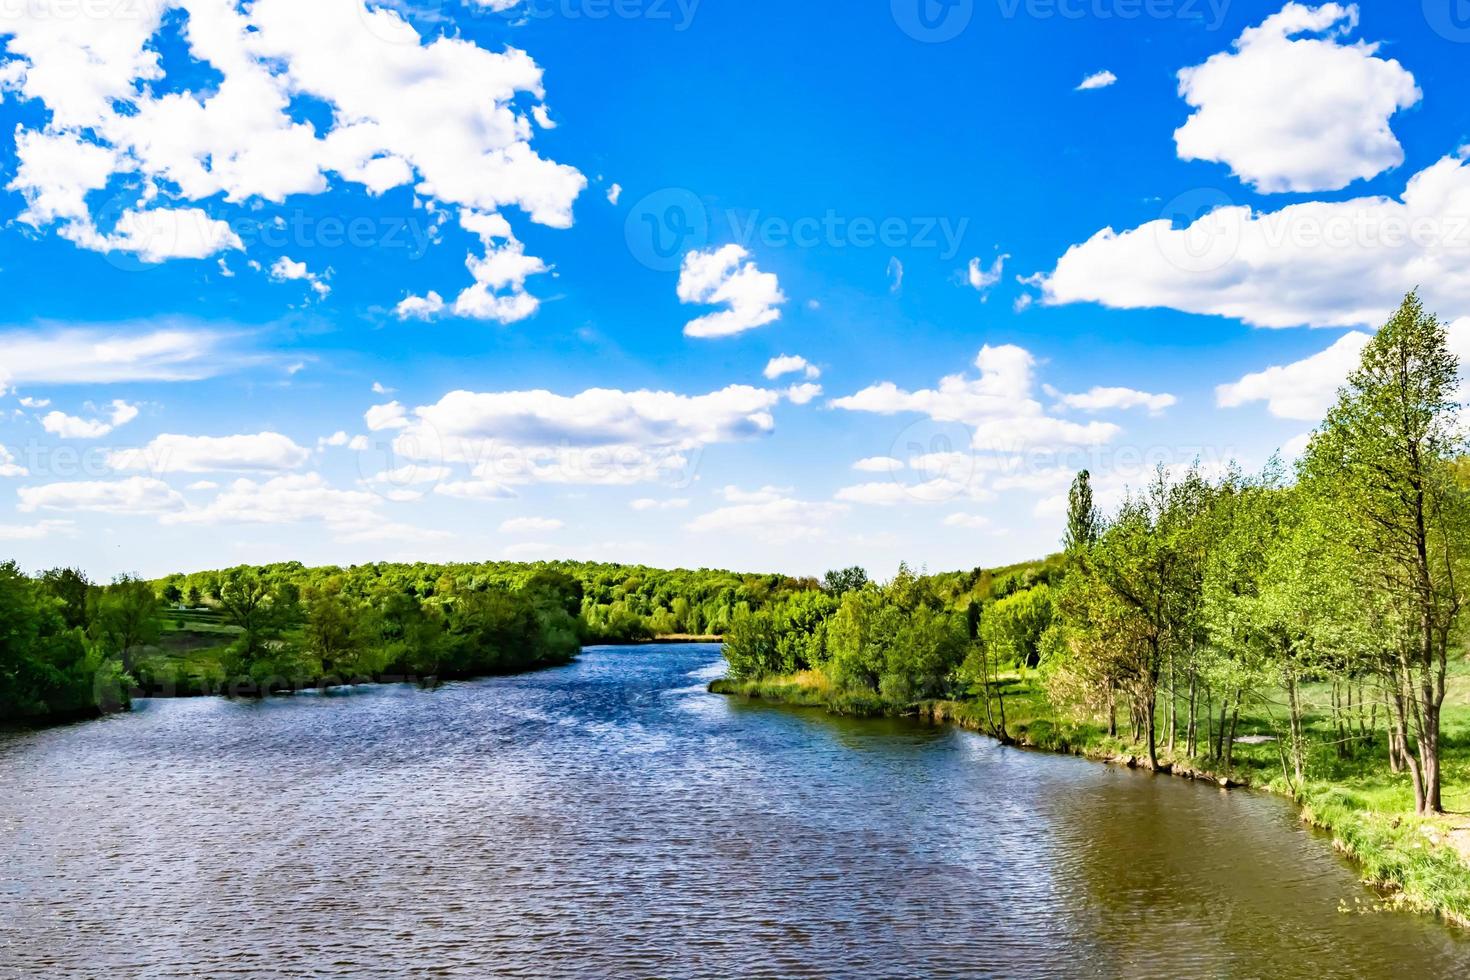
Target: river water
{"points": [[612, 819]]}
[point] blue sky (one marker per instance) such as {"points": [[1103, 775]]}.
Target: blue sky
{"points": [[506, 278]]}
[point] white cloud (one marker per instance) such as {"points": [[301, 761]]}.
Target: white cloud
{"points": [[289, 499], [8, 466], [28, 402], [72, 427], [381, 389], [1302, 390], [775, 518], [895, 275], [390, 416], [409, 474], [169, 453], [614, 193], [36, 531], [424, 307], [999, 406], [878, 464], [891, 493], [285, 269], [475, 490], [1100, 79], [600, 436], [763, 495], [134, 495], [440, 116], [159, 234], [89, 355], [803, 393], [981, 279], [1325, 264], [648, 503], [725, 276], [1289, 112], [200, 485], [790, 364], [974, 522], [1100, 399], [530, 525]]}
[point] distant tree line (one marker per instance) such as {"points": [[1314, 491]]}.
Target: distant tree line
{"points": [[69, 646]]}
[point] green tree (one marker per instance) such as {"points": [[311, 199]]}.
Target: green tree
{"points": [[127, 617], [1382, 458], [1082, 516]]}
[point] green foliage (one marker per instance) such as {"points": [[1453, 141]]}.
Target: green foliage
{"points": [[47, 667]]}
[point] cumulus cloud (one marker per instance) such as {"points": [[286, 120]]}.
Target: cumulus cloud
{"points": [[341, 439], [425, 307], [134, 495], [390, 416], [999, 406], [36, 530], [599, 436], [891, 493], [1100, 79], [169, 453], [726, 276], [72, 427], [290, 499], [1100, 399], [498, 291], [803, 393], [8, 466], [770, 517], [1293, 107], [285, 269], [1319, 263], [1302, 390], [981, 279], [790, 364], [437, 114]]}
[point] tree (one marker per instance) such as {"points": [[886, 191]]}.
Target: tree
{"points": [[333, 631], [1382, 459], [127, 617], [261, 608], [1013, 627], [840, 581], [73, 589], [1082, 517]]}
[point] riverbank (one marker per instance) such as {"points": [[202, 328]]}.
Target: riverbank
{"points": [[1419, 864]]}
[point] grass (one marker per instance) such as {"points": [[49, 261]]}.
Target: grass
{"points": [[1417, 863]]}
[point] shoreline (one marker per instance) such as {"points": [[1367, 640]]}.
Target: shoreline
{"points": [[1374, 841]]}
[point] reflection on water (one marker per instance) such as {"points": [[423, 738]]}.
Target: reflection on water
{"points": [[610, 818]]}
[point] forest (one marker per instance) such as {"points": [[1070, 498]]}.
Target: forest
{"points": [[71, 647]]}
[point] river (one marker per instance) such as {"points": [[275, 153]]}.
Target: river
{"points": [[612, 819]]}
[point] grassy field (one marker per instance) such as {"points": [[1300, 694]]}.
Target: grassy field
{"points": [[1421, 864], [188, 658]]}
